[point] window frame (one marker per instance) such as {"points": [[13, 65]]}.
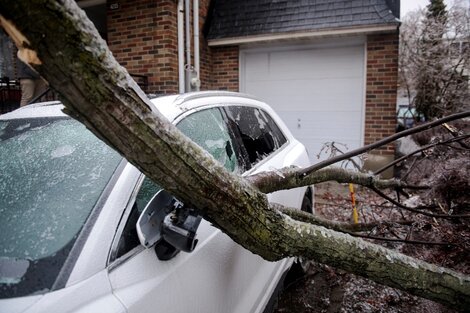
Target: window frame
{"points": [[241, 146], [234, 140], [113, 261], [240, 150]]}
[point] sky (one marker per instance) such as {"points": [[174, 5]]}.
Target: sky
{"points": [[411, 5]]}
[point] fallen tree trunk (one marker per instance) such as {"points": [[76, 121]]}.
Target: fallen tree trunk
{"points": [[56, 38]]}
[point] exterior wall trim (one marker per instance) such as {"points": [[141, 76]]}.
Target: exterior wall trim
{"points": [[90, 3], [364, 96], [302, 35]]}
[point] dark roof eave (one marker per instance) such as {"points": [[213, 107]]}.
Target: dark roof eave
{"points": [[305, 34]]}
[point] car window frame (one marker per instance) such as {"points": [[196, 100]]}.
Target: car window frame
{"points": [[245, 166], [240, 150], [219, 108], [113, 261], [252, 166]]}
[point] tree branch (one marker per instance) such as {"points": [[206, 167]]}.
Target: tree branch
{"points": [[317, 220], [455, 134], [407, 241], [347, 228], [288, 178]]}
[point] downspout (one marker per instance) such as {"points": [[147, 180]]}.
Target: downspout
{"points": [[196, 43], [188, 43], [181, 80]]}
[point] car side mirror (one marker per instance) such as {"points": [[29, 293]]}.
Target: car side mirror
{"points": [[149, 224], [169, 225], [179, 228]]}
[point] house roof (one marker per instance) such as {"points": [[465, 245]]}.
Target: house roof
{"points": [[241, 18]]}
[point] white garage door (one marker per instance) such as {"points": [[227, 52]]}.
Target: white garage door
{"points": [[317, 91]]}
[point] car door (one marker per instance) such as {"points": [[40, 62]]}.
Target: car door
{"points": [[267, 148], [218, 276]]}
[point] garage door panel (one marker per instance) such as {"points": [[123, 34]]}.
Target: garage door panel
{"points": [[319, 93], [313, 85], [314, 129], [309, 64], [332, 95], [258, 67], [340, 120]]}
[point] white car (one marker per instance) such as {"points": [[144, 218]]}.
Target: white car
{"points": [[74, 231]]}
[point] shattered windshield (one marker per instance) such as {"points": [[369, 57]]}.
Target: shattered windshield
{"points": [[52, 172]]}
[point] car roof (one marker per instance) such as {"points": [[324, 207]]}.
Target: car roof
{"points": [[175, 105], [170, 106], [43, 109]]}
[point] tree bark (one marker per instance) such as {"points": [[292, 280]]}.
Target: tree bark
{"points": [[58, 40], [291, 177]]}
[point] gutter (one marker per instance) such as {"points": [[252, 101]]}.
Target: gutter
{"points": [[197, 66], [180, 12], [187, 35], [302, 35]]}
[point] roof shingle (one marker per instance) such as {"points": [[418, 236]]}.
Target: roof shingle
{"points": [[239, 18]]}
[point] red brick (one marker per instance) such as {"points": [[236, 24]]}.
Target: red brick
{"points": [[381, 89]]}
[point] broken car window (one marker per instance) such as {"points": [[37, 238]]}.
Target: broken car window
{"points": [[259, 133]]}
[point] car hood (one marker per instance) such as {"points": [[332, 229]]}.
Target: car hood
{"points": [[18, 305]]}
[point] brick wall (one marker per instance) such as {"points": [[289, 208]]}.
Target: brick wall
{"points": [[381, 89], [205, 53], [219, 66], [225, 67], [142, 34], [143, 37]]}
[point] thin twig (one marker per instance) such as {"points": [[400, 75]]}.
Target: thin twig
{"points": [[398, 204], [352, 160], [418, 151], [383, 141], [410, 169]]}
